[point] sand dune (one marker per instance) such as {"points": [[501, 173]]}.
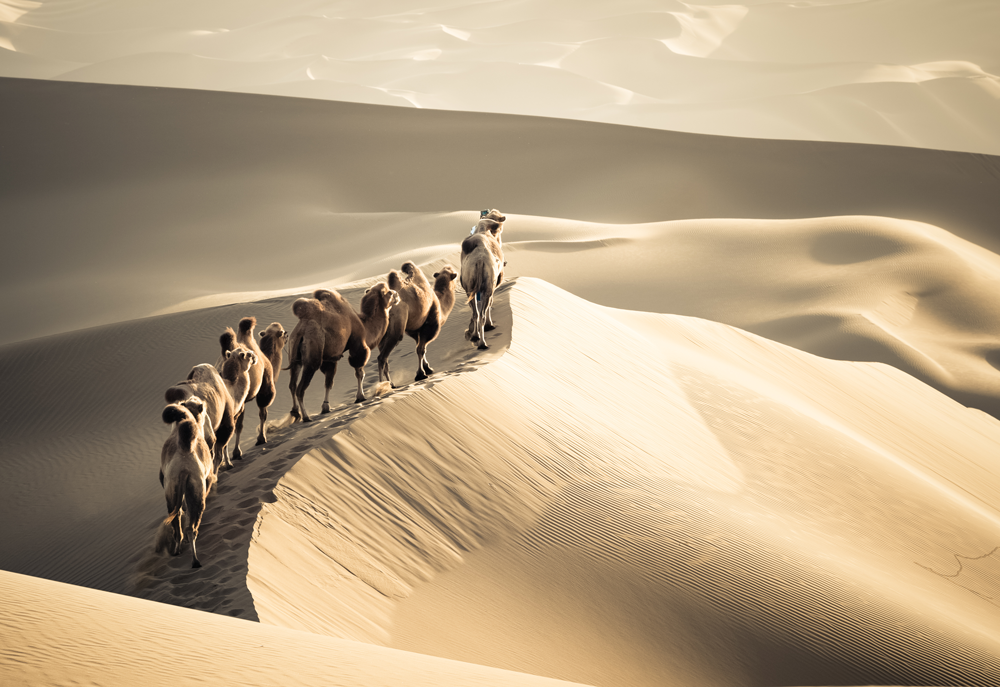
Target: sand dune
{"points": [[921, 74], [633, 507], [727, 433], [153, 185], [49, 638]]}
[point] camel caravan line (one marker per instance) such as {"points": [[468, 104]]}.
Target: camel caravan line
{"points": [[205, 411]]}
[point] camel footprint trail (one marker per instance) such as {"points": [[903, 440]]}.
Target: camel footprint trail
{"points": [[235, 509]]}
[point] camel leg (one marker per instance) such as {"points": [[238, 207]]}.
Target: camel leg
{"points": [[489, 318], [195, 497], [237, 453], [481, 307], [385, 347], [300, 390], [175, 501], [470, 333], [265, 397], [423, 369], [178, 533], [293, 382], [359, 373], [329, 369], [222, 437]]}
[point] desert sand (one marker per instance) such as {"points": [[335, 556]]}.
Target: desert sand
{"points": [[738, 424]]}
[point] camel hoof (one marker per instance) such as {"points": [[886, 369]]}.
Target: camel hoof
{"points": [[483, 345], [306, 418], [359, 399], [489, 327], [196, 564], [420, 376], [468, 336], [326, 409], [260, 440]]}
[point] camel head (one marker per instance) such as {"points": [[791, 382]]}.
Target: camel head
{"points": [[378, 297], [243, 356], [493, 214], [275, 333], [447, 274]]}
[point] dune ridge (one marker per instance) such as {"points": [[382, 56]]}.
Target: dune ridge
{"points": [[654, 508], [917, 74]]}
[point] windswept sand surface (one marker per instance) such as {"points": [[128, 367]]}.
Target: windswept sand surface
{"points": [[737, 426], [57, 634], [922, 73]]}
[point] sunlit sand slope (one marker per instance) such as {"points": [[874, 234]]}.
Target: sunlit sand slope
{"points": [[58, 634], [123, 201], [898, 72], [637, 499], [852, 288]]}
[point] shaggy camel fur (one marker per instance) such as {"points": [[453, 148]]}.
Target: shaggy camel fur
{"points": [[186, 474], [261, 378], [205, 382], [328, 327], [420, 313], [482, 273], [235, 375]]}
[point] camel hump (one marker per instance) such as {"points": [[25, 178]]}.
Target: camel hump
{"points": [[175, 412], [247, 324], [394, 280], [228, 339], [176, 394], [306, 307], [469, 244]]}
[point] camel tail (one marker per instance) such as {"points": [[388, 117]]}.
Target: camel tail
{"points": [[228, 340], [164, 533], [246, 325], [187, 432], [476, 284]]}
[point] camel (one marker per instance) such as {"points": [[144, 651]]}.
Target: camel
{"points": [[272, 343], [235, 375], [328, 327], [482, 273], [421, 313], [261, 378], [186, 474], [205, 382]]}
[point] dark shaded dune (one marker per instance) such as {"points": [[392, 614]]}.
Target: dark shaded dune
{"points": [[99, 176]]}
